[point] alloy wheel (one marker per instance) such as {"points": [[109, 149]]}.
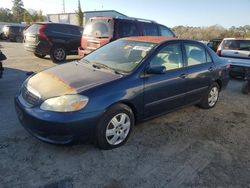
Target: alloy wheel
{"points": [[213, 96], [59, 54], [118, 129]]}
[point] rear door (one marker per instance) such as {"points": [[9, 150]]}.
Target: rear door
{"points": [[75, 35], [200, 71], [165, 92]]}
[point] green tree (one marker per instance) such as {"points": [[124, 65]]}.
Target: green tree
{"points": [[79, 14], [18, 10], [27, 17], [33, 16], [5, 15]]}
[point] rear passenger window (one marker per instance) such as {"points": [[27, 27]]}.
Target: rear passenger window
{"points": [[128, 29], [62, 29], [150, 29], [164, 31], [195, 54], [170, 57]]}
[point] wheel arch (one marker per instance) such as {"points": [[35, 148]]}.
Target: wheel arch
{"points": [[219, 82], [130, 105]]}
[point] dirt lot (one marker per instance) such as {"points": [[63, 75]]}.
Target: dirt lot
{"points": [[188, 148]]}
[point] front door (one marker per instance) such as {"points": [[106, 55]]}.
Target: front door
{"points": [[165, 92]]}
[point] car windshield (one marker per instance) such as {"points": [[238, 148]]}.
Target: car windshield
{"points": [[236, 45], [121, 55], [99, 28]]}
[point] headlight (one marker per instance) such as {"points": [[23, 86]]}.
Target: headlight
{"points": [[65, 103]]}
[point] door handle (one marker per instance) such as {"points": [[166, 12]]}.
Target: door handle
{"points": [[211, 69], [236, 52], [183, 75]]}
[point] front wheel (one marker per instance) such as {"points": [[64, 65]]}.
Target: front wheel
{"points": [[115, 127], [58, 54], [211, 97]]}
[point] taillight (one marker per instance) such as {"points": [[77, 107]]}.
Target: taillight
{"points": [[41, 32], [218, 52]]}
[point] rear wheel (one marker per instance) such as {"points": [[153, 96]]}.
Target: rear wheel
{"points": [[58, 54], [115, 127], [211, 97]]}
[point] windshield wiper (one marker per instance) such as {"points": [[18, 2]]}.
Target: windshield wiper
{"points": [[82, 60], [100, 65]]}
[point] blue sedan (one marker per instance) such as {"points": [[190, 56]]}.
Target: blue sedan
{"points": [[103, 95]]}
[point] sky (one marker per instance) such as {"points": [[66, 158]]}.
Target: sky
{"points": [[168, 12]]}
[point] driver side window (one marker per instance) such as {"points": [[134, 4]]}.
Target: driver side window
{"points": [[170, 57]]}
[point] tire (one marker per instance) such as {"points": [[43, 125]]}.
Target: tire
{"points": [[115, 127], [40, 55], [246, 87], [211, 97], [19, 39], [58, 54]]}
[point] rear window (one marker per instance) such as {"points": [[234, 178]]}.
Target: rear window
{"points": [[99, 28], [34, 28], [164, 31], [236, 45]]}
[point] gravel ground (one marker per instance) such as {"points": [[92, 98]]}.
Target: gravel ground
{"points": [[187, 148]]}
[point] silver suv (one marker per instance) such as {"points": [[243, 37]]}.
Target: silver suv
{"points": [[237, 52]]}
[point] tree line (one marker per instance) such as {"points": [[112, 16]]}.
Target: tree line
{"points": [[212, 32], [18, 14]]}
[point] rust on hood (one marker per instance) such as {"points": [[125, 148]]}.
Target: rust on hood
{"points": [[49, 85]]}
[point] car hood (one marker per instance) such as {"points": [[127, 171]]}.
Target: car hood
{"points": [[69, 78]]}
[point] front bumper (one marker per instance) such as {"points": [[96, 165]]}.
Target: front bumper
{"points": [[56, 127]]}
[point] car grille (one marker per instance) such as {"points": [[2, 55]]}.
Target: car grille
{"points": [[30, 97]]}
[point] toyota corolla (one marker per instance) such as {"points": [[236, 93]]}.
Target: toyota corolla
{"points": [[103, 95]]}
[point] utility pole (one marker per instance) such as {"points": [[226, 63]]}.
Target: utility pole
{"points": [[63, 6]]}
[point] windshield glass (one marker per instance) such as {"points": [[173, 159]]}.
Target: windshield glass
{"points": [[121, 55], [236, 45], [99, 28]]}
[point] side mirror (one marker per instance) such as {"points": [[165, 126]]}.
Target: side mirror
{"points": [[156, 70]]}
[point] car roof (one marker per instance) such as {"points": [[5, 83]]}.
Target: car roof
{"points": [[151, 39], [240, 38], [54, 23], [14, 25]]}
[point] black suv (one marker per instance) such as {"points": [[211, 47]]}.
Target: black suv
{"points": [[54, 39], [13, 32]]}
